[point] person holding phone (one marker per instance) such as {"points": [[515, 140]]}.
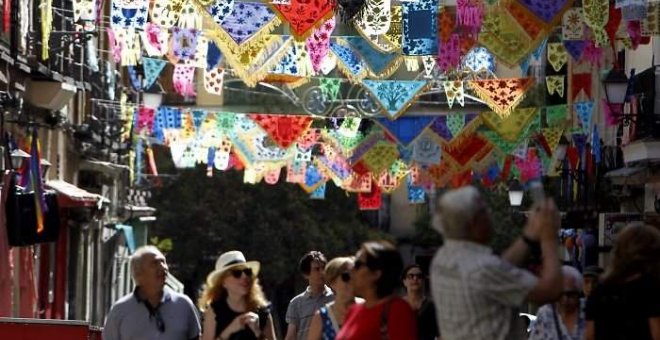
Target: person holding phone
{"points": [[478, 294]]}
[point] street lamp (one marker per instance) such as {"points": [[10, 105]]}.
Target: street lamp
{"points": [[44, 166], [18, 156], [515, 193], [616, 89]]}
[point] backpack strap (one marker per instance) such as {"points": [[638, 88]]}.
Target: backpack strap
{"points": [[384, 316]]}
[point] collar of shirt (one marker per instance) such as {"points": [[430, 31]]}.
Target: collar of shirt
{"points": [[468, 245], [167, 296], [326, 292]]}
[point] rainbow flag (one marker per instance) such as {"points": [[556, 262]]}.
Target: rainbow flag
{"points": [[31, 179]]}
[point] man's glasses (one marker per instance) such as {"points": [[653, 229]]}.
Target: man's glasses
{"points": [[159, 321], [572, 294], [346, 277], [237, 273], [415, 276]]}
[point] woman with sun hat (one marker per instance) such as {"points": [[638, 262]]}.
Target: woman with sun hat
{"points": [[233, 303]]}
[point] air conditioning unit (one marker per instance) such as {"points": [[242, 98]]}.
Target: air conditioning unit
{"points": [[48, 94]]}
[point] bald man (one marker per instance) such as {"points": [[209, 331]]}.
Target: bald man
{"points": [[152, 310]]}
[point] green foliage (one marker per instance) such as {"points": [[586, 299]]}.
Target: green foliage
{"points": [[165, 245], [506, 226], [274, 224]]}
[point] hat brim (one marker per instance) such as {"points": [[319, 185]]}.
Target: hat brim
{"points": [[215, 275]]}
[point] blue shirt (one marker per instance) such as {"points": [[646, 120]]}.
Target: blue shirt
{"points": [[132, 318]]}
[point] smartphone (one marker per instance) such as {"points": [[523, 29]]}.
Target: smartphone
{"points": [[537, 191]]}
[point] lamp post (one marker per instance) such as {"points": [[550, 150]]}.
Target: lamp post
{"points": [[18, 156], [616, 90], [515, 193], [44, 167]]}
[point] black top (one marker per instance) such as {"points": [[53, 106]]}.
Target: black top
{"points": [[621, 312], [225, 315], [427, 324]]}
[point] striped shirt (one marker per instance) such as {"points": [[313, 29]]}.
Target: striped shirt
{"points": [[302, 308], [477, 294]]}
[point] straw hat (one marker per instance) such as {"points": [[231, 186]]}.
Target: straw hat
{"points": [[229, 260]]}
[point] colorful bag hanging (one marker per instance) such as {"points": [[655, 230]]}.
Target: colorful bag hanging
{"points": [[129, 13], [420, 27], [501, 95], [395, 96], [303, 16]]}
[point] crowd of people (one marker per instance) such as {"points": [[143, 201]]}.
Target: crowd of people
{"points": [[475, 294]]}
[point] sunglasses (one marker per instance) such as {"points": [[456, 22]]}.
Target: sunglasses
{"points": [[358, 264], [346, 277], [574, 294], [237, 273], [415, 276]]}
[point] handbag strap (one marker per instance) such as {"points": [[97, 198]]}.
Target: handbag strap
{"points": [[384, 316], [556, 318]]}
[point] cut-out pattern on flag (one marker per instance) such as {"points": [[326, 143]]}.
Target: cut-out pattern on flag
{"points": [[550, 11], [466, 150], [303, 16], [552, 137], [84, 9], [370, 200], [573, 24], [165, 13], [596, 16], [454, 91], [584, 111], [479, 58], [214, 81], [283, 129], [449, 57], [405, 129], [318, 43], [555, 84], [391, 40], [427, 149], [395, 95], [349, 62], [380, 157], [380, 65], [420, 27], [441, 126], [416, 194], [155, 40], [189, 18], [511, 127], [557, 56], [128, 13], [130, 51], [556, 115], [504, 38], [374, 17], [220, 9], [184, 43], [651, 25], [183, 80], [502, 95]]}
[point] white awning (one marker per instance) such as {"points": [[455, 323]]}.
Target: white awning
{"points": [[74, 195]]}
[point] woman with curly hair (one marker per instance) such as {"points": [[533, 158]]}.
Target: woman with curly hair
{"points": [[233, 303]]}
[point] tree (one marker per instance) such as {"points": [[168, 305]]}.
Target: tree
{"points": [[274, 224]]}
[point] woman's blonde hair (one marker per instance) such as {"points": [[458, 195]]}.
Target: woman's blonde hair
{"points": [[214, 291], [336, 267]]}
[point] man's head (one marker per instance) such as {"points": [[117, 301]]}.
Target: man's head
{"points": [[462, 214], [312, 265], [149, 268], [591, 275]]}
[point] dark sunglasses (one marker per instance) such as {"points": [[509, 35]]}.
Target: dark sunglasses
{"points": [[574, 294], [415, 276], [237, 273], [359, 264], [346, 277]]}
